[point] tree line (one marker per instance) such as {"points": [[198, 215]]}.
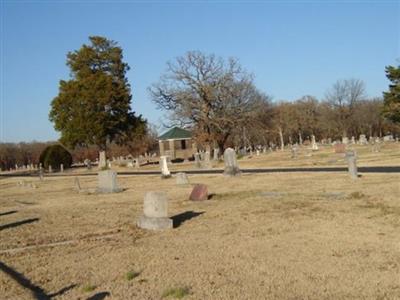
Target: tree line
{"points": [[215, 98]]}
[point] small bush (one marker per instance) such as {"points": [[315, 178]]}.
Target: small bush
{"points": [[177, 293], [131, 275], [54, 156], [88, 288], [239, 156], [356, 195]]}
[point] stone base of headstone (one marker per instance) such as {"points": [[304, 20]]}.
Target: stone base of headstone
{"points": [[232, 171], [154, 223]]}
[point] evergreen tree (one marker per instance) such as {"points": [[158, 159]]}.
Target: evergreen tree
{"points": [[391, 98], [93, 107]]}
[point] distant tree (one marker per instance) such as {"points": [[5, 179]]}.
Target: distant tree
{"points": [[392, 97], [211, 95], [343, 97], [93, 107]]}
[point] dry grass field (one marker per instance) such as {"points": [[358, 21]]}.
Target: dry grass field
{"points": [[260, 236]]}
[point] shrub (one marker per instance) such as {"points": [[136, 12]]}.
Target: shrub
{"points": [[177, 293], [55, 155]]}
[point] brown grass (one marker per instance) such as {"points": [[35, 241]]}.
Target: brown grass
{"points": [[261, 236]]}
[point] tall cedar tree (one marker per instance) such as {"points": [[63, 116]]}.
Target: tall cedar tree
{"points": [[93, 107], [391, 98]]}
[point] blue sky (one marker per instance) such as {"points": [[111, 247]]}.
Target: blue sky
{"points": [[292, 48]]}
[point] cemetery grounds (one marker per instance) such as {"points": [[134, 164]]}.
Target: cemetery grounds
{"points": [[261, 236]]}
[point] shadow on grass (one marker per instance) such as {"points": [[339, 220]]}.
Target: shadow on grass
{"points": [[8, 213], [15, 224], [37, 292], [183, 217], [99, 296]]}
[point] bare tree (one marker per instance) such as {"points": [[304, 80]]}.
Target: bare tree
{"points": [[343, 97], [211, 95]]}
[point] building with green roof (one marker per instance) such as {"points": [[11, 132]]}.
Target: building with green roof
{"points": [[177, 143]]}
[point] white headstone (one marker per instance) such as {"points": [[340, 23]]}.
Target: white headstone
{"points": [[155, 212], [107, 182], [231, 164], [164, 167], [102, 160]]}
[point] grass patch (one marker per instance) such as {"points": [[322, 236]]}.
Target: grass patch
{"points": [[131, 275], [177, 293], [357, 195], [384, 209], [88, 288]]}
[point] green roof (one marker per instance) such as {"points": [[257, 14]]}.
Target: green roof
{"points": [[176, 133]]}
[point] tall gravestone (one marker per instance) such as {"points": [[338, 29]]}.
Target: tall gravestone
{"points": [[314, 145], [164, 167], [231, 164], [206, 160], [102, 160], [352, 164], [216, 154], [155, 212], [197, 162]]}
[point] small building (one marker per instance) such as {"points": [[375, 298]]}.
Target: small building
{"points": [[177, 143]]}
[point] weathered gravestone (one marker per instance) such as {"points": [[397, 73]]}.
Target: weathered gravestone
{"points": [[340, 148], [314, 146], [164, 167], [197, 162], [61, 168], [353, 140], [181, 179], [107, 182], [345, 140], [50, 169], [216, 154], [77, 184], [199, 193], [363, 139], [155, 212], [206, 160], [102, 160], [352, 164], [294, 151], [231, 164]]}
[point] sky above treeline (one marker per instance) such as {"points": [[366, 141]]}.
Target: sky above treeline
{"points": [[293, 48]]}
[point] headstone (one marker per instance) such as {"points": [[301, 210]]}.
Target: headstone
{"points": [[107, 182], [206, 160], [199, 193], [197, 162], [182, 179], [50, 169], [216, 154], [345, 140], [353, 140], [77, 184], [102, 160], [352, 164], [41, 173], [362, 139], [61, 168], [340, 148], [257, 152], [155, 212], [231, 164], [137, 164], [164, 167], [88, 164], [388, 138], [294, 151], [314, 146]]}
